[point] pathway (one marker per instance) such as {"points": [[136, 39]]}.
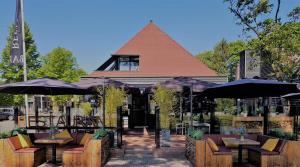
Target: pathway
{"points": [[140, 152]]}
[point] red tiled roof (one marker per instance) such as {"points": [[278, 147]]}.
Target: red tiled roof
{"points": [[160, 56]]}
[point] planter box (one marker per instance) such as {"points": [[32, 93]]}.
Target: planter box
{"points": [[195, 151]]}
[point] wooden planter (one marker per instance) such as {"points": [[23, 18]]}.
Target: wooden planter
{"points": [[195, 151], [95, 154]]}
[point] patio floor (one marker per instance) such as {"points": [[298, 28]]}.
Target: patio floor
{"points": [[140, 151]]}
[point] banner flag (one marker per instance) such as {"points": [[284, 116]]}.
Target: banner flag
{"points": [[17, 42]]}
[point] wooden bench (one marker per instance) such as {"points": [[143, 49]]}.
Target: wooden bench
{"points": [[12, 155]]}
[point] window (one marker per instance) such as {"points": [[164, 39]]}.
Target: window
{"points": [[128, 63]]}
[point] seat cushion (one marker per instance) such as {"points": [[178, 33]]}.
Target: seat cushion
{"points": [[85, 139], [262, 151], [270, 144], [280, 145], [25, 141], [212, 145], [64, 134], [223, 151], [28, 150], [14, 142], [75, 150]]}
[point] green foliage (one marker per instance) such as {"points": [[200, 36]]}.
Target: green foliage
{"points": [[165, 99], [114, 98], [14, 73], [226, 105], [100, 133], [60, 63], [224, 57], [87, 108], [279, 133], [196, 134], [276, 41], [17, 131], [4, 135]]}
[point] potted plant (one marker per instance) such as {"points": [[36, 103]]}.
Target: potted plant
{"points": [[196, 120], [164, 98], [242, 132], [115, 97]]}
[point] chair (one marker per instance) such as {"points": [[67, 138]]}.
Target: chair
{"points": [[13, 155], [221, 158], [94, 153]]}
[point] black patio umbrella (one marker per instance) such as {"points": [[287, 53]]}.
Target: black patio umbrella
{"points": [[44, 86], [291, 96], [179, 83], [93, 83], [195, 86], [251, 88]]}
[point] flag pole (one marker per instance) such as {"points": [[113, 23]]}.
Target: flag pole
{"points": [[24, 63]]}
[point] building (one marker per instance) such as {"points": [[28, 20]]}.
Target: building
{"points": [[253, 65], [152, 56]]}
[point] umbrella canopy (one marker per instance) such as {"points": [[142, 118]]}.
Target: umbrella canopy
{"points": [[178, 84], [292, 96], [43, 86], [92, 83], [251, 88]]}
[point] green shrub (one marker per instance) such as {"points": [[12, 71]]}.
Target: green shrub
{"points": [[114, 98], [87, 108], [99, 134], [196, 134], [17, 131], [4, 135], [279, 133], [165, 99]]}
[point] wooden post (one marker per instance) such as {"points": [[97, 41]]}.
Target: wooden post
{"points": [[68, 117], [266, 117], [157, 127], [16, 114], [119, 126], [36, 109], [212, 116]]}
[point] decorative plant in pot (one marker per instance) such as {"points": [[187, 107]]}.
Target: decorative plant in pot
{"points": [[165, 99], [242, 132], [114, 98]]}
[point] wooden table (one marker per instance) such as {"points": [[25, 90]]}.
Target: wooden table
{"points": [[53, 142], [240, 143]]}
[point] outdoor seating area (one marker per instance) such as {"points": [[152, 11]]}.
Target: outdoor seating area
{"points": [[231, 150], [34, 149]]}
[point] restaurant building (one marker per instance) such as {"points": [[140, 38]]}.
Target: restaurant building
{"points": [[148, 58]]}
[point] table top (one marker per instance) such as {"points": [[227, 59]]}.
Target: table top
{"points": [[53, 141], [235, 141]]}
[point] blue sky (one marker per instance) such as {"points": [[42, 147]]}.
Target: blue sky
{"points": [[95, 29]]}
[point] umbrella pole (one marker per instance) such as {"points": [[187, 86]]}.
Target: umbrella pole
{"points": [[191, 106], [266, 116]]}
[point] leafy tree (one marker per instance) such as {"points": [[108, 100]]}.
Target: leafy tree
{"points": [[275, 40], [114, 98], [224, 57], [87, 108], [61, 64], [14, 73]]}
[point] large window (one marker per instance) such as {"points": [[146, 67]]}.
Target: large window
{"points": [[128, 63]]}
